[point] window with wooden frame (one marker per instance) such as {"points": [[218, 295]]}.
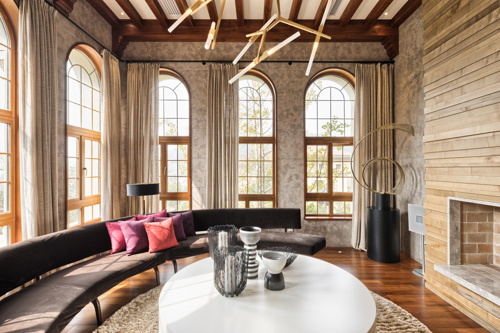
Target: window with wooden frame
{"points": [[257, 142], [83, 138], [7, 132], [175, 142], [329, 120]]}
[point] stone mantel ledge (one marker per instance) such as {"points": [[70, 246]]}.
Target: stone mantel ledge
{"points": [[483, 280]]}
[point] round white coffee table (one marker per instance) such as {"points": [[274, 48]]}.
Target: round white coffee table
{"points": [[318, 297]]}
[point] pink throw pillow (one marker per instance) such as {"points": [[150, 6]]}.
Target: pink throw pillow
{"points": [[178, 227], [162, 213], [116, 235], [135, 235], [161, 235]]}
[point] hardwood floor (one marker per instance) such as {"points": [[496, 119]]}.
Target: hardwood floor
{"points": [[393, 281]]}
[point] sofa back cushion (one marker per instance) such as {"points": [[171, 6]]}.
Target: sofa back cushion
{"points": [[26, 260], [266, 218]]}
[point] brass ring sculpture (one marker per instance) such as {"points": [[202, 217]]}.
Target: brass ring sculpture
{"points": [[399, 186]]}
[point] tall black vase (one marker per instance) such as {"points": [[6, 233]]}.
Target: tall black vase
{"points": [[384, 234]]}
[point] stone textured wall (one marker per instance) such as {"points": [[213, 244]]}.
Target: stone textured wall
{"points": [[409, 109], [476, 233], [89, 20], [290, 83]]}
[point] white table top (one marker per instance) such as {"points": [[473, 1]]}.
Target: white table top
{"points": [[318, 297]]}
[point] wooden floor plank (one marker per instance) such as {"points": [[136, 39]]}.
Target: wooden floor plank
{"points": [[393, 281]]}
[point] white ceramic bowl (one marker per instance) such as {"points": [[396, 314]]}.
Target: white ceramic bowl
{"points": [[274, 261], [250, 235]]}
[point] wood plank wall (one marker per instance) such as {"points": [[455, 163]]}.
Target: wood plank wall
{"points": [[462, 129]]}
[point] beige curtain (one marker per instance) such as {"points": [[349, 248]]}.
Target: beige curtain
{"points": [[112, 203], [38, 120], [222, 137], [373, 108], [142, 138]]}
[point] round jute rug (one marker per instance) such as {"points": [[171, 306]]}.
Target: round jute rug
{"points": [[141, 315]]}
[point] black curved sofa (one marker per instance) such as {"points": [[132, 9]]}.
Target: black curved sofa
{"points": [[49, 304]]}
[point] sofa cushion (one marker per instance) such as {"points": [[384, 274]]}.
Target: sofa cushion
{"points": [[49, 304], [135, 235], [177, 223], [302, 243], [187, 222], [192, 246], [161, 235]]}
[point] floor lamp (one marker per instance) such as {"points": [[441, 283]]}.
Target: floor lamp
{"points": [[416, 224], [142, 190]]}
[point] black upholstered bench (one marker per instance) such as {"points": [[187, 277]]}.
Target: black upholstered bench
{"points": [[49, 304]]}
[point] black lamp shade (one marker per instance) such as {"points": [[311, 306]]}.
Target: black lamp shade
{"points": [[137, 190]]}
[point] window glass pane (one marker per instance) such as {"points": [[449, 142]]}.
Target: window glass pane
{"points": [[255, 107], [329, 107], [83, 89], [4, 36], [316, 169], [96, 212], [341, 167], [4, 235], [241, 204], [174, 104], [261, 204], [4, 198], [73, 218], [183, 205], [87, 214], [171, 206], [4, 94], [255, 168], [4, 138]]}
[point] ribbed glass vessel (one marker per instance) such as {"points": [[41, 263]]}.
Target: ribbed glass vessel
{"points": [[221, 235], [230, 270]]}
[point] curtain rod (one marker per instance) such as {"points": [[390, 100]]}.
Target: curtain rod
{"points": [[290, 62], [268, 61]]}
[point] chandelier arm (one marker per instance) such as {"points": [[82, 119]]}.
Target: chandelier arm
{"points": [[218, 23], [261, 45], [300, 26], [278, 7], [199, 5]]}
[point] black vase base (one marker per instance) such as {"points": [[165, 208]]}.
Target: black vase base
{"points": [[274, 282]]}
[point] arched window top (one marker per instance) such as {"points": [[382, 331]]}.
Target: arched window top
{"points": [[330, 106], [5, 56], [174, 105], [256, 110], [4, 35], [81, 68]]}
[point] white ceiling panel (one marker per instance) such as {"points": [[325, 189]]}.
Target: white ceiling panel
{"points": [[364, 9], [143, 9], [308, 9], [254, 9], [393, 9], [117, 10]]}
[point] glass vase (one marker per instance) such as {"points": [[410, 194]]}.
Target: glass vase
{"points": [[230, 270], [221, 236]]}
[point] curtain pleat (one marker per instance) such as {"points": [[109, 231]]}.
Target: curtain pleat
{"points": [[373, 108], [222, 137], [38, 120], [142, 138], [112, 203]]}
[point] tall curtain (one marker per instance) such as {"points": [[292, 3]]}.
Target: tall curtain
{"points": [[222, 137], [142, 117], [38, 120], [373, 108], [111, 202]]}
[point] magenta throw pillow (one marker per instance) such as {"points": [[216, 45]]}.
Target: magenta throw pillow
{"points": [[162, 213], [187, 222], [178, 227], [136, 238], [116, 235]]}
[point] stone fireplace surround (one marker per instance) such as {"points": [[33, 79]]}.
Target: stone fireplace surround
{"points": [[474, 247]]}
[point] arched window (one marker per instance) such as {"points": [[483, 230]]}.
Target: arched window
{"points": [[329, 112], [84, 137], [174, 132], [257, 143], [7, 130]]}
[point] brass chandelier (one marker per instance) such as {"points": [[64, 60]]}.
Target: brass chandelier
{"points": [[271, 23]]}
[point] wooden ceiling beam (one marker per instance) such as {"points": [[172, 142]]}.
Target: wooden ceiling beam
{"points": [[183, 6], [405, 12], [130, 10], [159, 13], [294, 11], [349, 11], [240, 14], [268, 6], [65, 6], [105, 12], [374, 15], [212, 11], [230, 32], [319, 13]]}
